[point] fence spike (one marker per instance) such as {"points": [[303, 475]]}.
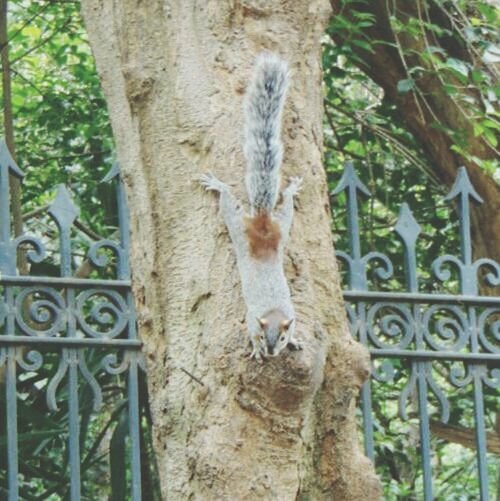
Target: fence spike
{"points": [[463, 189], [351, 181], [408, 229], [62, 209], [7, 162], [112, 173]]}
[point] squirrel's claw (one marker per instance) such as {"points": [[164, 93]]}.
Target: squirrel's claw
{"points": [[296, 343], [295, 186], [211, 183], [256, 354]]}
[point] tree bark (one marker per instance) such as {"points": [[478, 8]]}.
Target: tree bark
{"points": [[422, 111], [8, 122], [174, 74]]}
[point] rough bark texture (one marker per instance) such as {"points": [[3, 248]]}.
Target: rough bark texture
{"points": [[174, 73], [8, 123], [386, 67]]}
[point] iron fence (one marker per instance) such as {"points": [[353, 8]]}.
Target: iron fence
{"points": [[69, 316], [458, 332]]}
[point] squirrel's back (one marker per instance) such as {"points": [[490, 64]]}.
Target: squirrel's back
{"points": [[263, 150]]}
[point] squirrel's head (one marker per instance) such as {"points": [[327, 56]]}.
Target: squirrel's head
{"points": [[276, 332]]}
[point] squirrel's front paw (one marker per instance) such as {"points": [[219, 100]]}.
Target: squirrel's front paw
{"points": [[211, 183], [295, 186], [256, 354], [296, 343]]}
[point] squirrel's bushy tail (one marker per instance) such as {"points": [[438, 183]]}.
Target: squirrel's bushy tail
{"points": [[263, 150]]}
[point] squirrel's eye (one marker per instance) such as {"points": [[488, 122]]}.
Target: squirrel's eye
{"points": [[282, 338]]}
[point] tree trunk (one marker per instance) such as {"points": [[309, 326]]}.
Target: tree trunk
{"points": [[174, 74], [8, 122], [385, 65]]}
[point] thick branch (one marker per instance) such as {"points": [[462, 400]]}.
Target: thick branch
{"points": [[464, 436], [427, 107]]}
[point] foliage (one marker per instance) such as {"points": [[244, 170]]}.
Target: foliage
{"points": [[448, 53], [62, 130], [364, 125]]}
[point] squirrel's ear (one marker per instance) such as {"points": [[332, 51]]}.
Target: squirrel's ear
{"points": [[262, 322], [286, 323]]}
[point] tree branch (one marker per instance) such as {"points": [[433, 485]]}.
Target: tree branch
{"points": [[464, 436]]}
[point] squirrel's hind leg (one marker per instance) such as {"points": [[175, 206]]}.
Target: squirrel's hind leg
{"points": [[285, 216]]}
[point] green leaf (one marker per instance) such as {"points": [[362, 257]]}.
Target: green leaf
{"points": [[458, 67], [489, 12], [478, 76], [363, 45], [432, 49], [491, 124], [491, 137], [478, 129], [406, 85]]}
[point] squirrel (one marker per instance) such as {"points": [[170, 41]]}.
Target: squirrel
{"points": [[259, 239]]}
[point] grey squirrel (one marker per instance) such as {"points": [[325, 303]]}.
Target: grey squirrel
{"points": [[259, 239]]}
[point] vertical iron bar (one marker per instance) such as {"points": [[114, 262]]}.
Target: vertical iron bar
{"points": [[72, 354], [65, 252], [133, 413], [64, 213], [366, 391], [11, 397], [464, 221], [123, 225], [351, 183], [366, 405], [8, 267], [4, 205], [425, 445], [133, 386], [74, 425], [11, 401], [480, 432], [408, 229], [74, 416]]}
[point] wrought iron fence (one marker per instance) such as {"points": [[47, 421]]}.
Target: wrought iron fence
{"points": [[458, 333], [69, 316]]}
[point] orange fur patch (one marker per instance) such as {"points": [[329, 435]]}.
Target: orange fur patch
{"points": [[263, 235]]}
